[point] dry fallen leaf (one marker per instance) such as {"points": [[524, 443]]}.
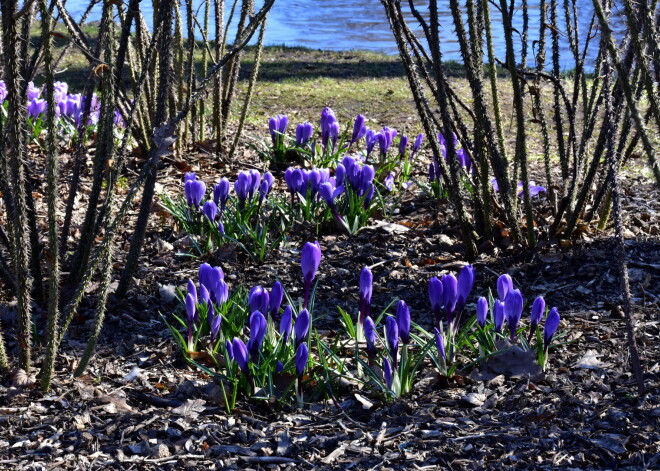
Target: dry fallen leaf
{"points": [[23, 380]]}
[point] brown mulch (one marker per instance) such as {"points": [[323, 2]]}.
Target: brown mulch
{"points": [[140, 407]]}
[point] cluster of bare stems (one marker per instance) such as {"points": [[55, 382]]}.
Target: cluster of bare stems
{"points": [[152, 79], [590, 150]]}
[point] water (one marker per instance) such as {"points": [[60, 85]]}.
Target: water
{"points": [[349, 24]]}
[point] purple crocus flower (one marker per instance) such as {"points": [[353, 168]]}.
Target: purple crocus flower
{"points": [[403, 321], [389, 181], [210, 210], [371, 138], [329, 193], [366, 290], [366, 178], [36, 107], [276, 295], [240, 353], [440, 344], [286, 323], [257, 333], [498, 315], [551, 326], [301, 327], [403, 144], [304, 133], [370, 337], [392, 335], [310, 260], [258, 299], [449, 295], [328, 120], [465, 283], [416, 146], [482, 311], [214, 323], [340, 175], [279, 366], [194, 191], [359, 129], [221, 193], [277, 126], [302, 355], [513, 306], [334, 134], [369, 195], [387, 372], [504, 285], [436, 298], [242, 187], [255, 180]]}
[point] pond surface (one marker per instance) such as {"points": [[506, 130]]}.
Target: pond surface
{"points": [[351, 24]]}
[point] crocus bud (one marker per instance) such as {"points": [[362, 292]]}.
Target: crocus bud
{"points": [[403, 321], [538, 309], [205, 274], [255, 180], [431, 172], [387, 372], [277, 126], [340, 174], [482, 311], [504, 284], [190, 309], [220, 292], [440, 344], [304, 133], [279, 367], [221, 193], [551, 326], [371, 139], [392, 335], [210, 210], [302, 355], [258, 299], [301, 327], [221, 228], [498, 315], [242, 187], [436, 298], [359, 129], [403, 143], [230, 350], [240, 353], [513, 306], [204, 295], [465, 283], [194, 190], [366, 289], [370, 336], [276, 295], [449, 295], [286, 323], [257, 332], [389, 181], [214, 323], [417, 145], [263, 190], [192, 290]]}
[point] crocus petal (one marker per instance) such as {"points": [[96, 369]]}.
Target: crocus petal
{"points": [[310, 259], [498, 315], [538, 309], [240, 353], [387, 372], [286, 324], [440, 343], [513, 306]]}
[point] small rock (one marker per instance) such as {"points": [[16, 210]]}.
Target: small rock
{"points": [[160, 451], [167, 293]]}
